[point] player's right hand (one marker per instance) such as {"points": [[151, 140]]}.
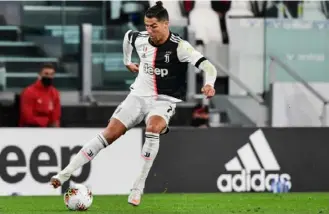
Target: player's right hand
{"points": [[133, 67]]}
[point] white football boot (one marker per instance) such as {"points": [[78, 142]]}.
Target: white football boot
{"points": [[58, 180], [135, 197]]}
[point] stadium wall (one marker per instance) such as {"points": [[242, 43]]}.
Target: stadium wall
{"points": [[190, 160], [241, 160], [29, 157]]}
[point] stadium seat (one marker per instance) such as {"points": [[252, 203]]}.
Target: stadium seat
{"points": [[312, 11], [239, 8], [175, 14], [206, 28]]}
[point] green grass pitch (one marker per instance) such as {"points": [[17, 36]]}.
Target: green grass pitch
{"points": [[248, 203]]}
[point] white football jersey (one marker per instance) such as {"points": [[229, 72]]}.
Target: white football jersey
{"points": [[162, 69]]}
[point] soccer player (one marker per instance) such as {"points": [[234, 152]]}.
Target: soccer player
{"points": [[160, 84]]}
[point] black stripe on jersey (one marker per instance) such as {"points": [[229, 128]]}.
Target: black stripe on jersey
{"points": [[144, 33], [174, 40], [200, 61], [131, 33], [175, 36], [137, 34], [132, 36]]}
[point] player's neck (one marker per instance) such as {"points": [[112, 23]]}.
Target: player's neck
{"points": [[163, 40]]}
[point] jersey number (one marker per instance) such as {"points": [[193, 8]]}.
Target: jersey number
{"points": [[169, 110]]}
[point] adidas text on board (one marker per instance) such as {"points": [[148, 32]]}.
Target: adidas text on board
{"points": [[250, 181]]}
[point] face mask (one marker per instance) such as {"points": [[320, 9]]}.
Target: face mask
{"points": [[46, 81]]}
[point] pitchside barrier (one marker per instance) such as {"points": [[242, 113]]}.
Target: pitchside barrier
{"points": [[189, 160], [29, 157]]}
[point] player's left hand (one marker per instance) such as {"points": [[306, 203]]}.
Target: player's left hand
{"points": [[208, 91], [133, 67]]}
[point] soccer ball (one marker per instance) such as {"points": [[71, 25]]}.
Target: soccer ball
{"points": [[78, 197]]}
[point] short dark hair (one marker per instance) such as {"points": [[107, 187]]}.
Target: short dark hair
{"points": [[47, 65], [157, 11]]}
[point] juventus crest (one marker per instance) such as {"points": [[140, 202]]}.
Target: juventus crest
{"points": [[166, 56]]}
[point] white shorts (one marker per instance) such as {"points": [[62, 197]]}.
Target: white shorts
{"points": [[135, 109]]}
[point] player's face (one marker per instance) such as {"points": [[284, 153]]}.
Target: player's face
{"points": [[156, 29]]}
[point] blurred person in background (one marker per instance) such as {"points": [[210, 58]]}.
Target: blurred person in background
{"points": [[186, 6], [40, 102], [221, 7], [200, 116]]}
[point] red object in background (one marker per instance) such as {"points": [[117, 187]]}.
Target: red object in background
{"points": [[186, 6], [40, 106]]}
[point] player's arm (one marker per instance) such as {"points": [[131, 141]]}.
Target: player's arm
{"points": [[128, 47], [186, 53]]}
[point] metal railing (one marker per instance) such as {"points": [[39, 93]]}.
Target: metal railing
{"points": [[298, 78], [85, 68], [191, 94], [236, 80]]}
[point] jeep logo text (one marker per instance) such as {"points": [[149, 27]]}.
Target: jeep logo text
{"points": [[157, 71]]}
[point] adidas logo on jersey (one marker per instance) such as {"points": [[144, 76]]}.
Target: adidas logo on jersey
{"points": [[157, 71], [255, 175]]}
